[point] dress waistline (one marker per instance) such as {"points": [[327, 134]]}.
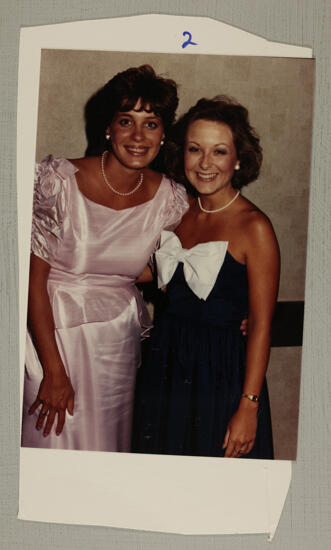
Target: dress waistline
{"points": [[206, 322], [89, 279]]}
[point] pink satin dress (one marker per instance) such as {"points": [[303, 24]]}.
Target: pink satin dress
{"points": [[95, 254]]}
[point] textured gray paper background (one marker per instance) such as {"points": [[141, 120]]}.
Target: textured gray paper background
{"points": [[305, 523]]}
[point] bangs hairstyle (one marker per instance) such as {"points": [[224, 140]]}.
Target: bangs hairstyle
{"points": [[158, 95], [246, 141]]}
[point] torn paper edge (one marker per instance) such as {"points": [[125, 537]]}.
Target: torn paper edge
{"points": [[153, 33]]}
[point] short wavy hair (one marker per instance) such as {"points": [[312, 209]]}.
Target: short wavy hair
{"points": [[228, 111], [121, 93]]}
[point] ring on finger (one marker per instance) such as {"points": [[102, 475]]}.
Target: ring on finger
{"points": [[43, 413]]}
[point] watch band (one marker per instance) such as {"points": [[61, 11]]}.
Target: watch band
{"points": [[251, 397]]}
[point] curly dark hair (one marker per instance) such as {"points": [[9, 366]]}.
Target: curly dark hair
{"points": [[218, 109], [121, 93]]}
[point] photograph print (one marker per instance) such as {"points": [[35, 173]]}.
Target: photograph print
{"points": [[168, 254]]}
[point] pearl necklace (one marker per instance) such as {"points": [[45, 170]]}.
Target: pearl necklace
{"points": [[218, 209], [139, 180]]}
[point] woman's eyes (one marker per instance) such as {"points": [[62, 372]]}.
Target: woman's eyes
{"points": [[152, 125], [127, 122], [194, 149], [124, 122]]}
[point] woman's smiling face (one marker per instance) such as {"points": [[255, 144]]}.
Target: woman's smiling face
{"points": [[136, 137], [210, 156]]}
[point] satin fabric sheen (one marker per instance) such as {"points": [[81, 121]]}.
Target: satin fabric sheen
{"points": [[95, 254]]}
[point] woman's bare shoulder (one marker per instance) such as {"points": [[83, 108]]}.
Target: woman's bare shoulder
{"points": [[257, 226], [252, 216]]}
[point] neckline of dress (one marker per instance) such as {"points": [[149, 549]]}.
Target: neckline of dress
{"points": [[163, 178], [227, 253], [208, 242]]}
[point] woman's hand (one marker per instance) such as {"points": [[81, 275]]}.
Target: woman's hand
{"points": [[146, 276], [56, 395], [241, 431]]}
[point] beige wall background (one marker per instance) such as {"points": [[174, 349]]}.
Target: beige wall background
{"points": [[278, 93]]}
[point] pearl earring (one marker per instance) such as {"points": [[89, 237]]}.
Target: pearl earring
{"points": [[107, 136], [237, 167], [162, 142]]}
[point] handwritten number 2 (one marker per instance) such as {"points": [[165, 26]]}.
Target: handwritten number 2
{"points": [[189, 40]]}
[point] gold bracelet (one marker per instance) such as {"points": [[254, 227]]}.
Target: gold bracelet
{"points": [[251, 397]]}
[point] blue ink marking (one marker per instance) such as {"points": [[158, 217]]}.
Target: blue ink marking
{"points": [[189, 40]]}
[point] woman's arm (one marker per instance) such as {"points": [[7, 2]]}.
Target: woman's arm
{"points": [[262, 260], [146, 276], [55, 394]]}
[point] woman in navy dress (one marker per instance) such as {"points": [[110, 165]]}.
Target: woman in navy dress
{"points": [[201, 388]]}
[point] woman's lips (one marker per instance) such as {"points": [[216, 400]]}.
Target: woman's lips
{"points": [[206, 177], [136, 151]]}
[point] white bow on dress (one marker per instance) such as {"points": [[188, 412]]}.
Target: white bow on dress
{"points": [[202, 262]]}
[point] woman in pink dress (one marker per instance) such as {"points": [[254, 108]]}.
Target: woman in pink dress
{"points": [[96, 222]]}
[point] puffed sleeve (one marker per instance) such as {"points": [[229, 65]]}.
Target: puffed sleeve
{"points": [[177, 205], [48, 206]]}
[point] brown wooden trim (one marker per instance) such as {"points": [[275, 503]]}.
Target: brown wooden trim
{"points": [[287, 324]]}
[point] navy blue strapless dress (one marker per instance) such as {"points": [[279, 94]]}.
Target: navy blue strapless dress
{"points": [[191, 379]]}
